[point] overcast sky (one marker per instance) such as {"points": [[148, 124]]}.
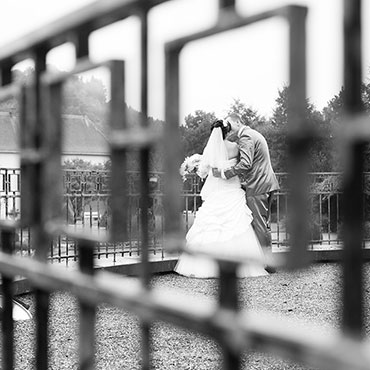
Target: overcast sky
{"points": [[249, 64]]}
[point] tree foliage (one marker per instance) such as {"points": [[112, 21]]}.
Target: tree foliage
{"points": [[196, 131], [248, 115], [85, 97], [79, 96], [82, 165], [321, 147]]}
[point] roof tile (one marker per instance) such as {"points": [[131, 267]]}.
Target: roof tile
{"points": [[80, 135]]}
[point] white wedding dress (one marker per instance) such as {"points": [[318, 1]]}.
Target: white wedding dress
{"points": [[222, 225]]}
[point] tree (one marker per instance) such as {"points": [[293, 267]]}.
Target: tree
{"points": [[81, 164], [86, 97], [272, 129], [248, 115], [334, 116], [277, 135], [333, 112], [196, 131], [83, 97], [24, 77]]}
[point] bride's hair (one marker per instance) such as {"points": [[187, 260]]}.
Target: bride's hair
{"points": [[225, 127]]}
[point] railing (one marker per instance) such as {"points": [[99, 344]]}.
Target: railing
{"points": [[86, 206], [325, 220], [325, 209]]}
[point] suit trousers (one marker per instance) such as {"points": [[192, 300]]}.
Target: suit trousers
{"points": [[260, 207]]}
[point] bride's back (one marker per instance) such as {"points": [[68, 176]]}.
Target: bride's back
{"points": [[232, 149]]}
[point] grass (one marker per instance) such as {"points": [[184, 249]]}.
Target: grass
{"points": [[311, 296]]}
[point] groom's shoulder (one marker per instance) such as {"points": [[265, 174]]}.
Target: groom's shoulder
{"points": [[252, 133], [248, 132]]}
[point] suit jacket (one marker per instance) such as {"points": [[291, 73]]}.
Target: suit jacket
{"points": [[254, 166]]}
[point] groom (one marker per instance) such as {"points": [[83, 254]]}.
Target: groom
{"points": [[257, 176]]}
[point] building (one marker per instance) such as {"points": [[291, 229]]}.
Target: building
{"points": [[82, 139]]}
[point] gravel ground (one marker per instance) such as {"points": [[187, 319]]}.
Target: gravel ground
{"points": [[310, 295]]}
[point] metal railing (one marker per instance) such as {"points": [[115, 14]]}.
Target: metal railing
{"points": [[324, 209], [86, 198], [40, 138], [86, 207]]}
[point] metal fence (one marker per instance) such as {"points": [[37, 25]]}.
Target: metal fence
{"points": [[325, 209], [86, 206], [40, 137]]}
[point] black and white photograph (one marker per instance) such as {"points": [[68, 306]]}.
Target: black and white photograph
{"points": [[184, 185]]}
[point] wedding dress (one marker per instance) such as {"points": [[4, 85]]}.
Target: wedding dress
{"points": [[222, 225]]}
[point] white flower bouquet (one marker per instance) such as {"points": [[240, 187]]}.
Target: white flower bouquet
{"points": [[190, 165]]}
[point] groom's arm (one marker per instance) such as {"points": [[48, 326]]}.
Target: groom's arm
{"points": [[246, 149]]}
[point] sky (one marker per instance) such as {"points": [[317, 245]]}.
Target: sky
{"points": [[249, 64]]}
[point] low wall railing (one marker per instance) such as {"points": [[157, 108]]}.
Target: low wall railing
{"points": [[86, 206]]}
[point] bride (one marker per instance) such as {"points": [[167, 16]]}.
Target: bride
{"points": [[223, 223]]}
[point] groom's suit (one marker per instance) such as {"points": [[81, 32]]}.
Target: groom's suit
{"points": [[258, 179]]}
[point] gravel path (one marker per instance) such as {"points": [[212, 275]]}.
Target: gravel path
{"points": [[311, 295]]}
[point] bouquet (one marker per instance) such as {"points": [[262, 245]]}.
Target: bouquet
{"points": [[190, 165]]}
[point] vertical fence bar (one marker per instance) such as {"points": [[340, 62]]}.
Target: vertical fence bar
{"points": [[329, 229], [228, 299], [364, 238], [226, 4], [119, 181], [320, 219], [27, 123], [40, 240], [52, 148], [42, 325], [81, 42], [7, 196], [298, 138], [7, 323], [338, 217], [87, 310], [286, 217], [144, 183], [277, 219], [144, 152], [352, 315], [5, 73], [172, 184]]}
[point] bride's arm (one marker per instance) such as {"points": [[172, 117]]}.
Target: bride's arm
{"points": [[203, 170]]}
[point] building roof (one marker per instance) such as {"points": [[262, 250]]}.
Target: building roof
{"points": [[80, 135], [8, 133]]}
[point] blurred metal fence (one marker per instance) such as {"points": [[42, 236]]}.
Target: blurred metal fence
{"points": [[41, 205]]}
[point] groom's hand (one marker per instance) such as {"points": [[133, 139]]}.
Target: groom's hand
{"points": [[230, 172], [216, 172]]}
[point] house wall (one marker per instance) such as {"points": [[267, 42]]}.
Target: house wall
{"points": [[9, 160]]}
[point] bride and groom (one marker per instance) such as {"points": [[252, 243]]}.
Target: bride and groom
{"points": [[233, 219]]}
